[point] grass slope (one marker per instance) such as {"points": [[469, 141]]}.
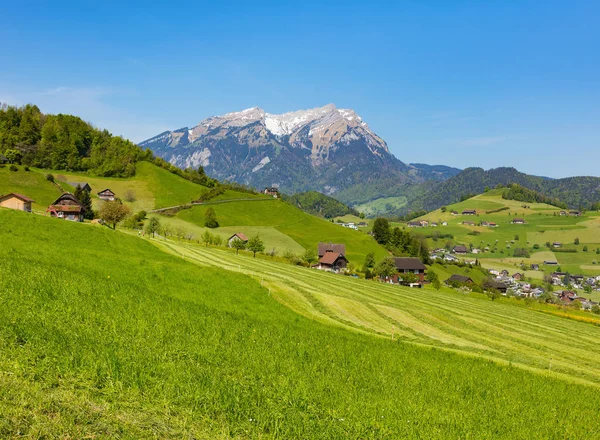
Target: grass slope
{"points": [[31, 184], [149, 345], [543, 225], [302, 228]]}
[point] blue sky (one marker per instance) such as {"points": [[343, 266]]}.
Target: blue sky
{"points": [[462, 83]]}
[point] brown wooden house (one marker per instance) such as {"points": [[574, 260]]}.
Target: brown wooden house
{"points": [[16, 201], [409, 265], [107, 195], [67, 207], [333, 262]]}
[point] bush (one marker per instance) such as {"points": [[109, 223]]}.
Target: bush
{"points": [[49, 177], [536, 246], [25, 168], [13, 168]]}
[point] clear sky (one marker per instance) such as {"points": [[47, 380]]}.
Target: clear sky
{"points": [[462, 83]]}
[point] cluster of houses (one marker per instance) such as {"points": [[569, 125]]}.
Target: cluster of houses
{"points": [[352, 225], [570, 213], [66, 207], [273, 192], [425, 223]]}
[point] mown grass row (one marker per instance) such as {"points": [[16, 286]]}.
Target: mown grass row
{"points": [[461, 322], [102, 335]]}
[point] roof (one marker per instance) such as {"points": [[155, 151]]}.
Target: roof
{"points": [[497, 285], [409, 264], [331, 258], [81, 184], [469, 210], [65, 208], [519, 220], [240, 236], [66, 196], [460, 248], [459, 278], [107, 190], [331, 247], [18, 196]]}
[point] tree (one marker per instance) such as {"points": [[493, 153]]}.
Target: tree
{"points": [[309, 256], [129, 196], [50, 178], [370, 260], [576, 241], [408, 278], [153, 226], [433, 278], [587, 288], [585, 248], [13, 156], [443, 209], [596, 309], [207, 238], [238, 245], [113, 212], [381, 230], [516, 238], [385, 268], [210, 218], [86, 201], [255, 244]]}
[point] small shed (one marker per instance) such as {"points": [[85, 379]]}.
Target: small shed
{"points": [[238, 236], [16, 201]]}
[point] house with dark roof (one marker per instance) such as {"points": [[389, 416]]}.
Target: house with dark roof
{"points": [[557, 244], [83, 185], [16, 201], [497, 285], [535, 267], [459, 279], [518, 221], [107, 195], [469, 212], [460, 249], [66, 207], [406, 265], [332, 262], [468, 223], [575, 213], [323, 248], [238, 236]]}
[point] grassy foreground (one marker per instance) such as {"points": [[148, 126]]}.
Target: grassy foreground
{"points": [[109, 337]]}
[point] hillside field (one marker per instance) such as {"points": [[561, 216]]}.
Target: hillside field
{"points": [[154, 345], [543, 225]]}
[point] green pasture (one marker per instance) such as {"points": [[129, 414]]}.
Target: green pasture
{"points": [[379, 206], [149, 345], [31, 184], [304, 229]]}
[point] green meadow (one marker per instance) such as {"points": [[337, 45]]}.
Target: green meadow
{"points": [[543, 225], [304, 229], [115, 338], [31, 184]]}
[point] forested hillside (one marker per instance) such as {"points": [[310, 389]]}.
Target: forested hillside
{"points": [[319, 204], [65, 142]]}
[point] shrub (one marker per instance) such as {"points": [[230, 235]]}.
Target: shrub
{"points": [[25, 168], [13, 168], [536, 246], [49, 177]]}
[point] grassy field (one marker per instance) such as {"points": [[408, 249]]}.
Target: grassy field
{"points": [[31, 184], [304, 229], [149, 345], [543, 225], [380, 206]]}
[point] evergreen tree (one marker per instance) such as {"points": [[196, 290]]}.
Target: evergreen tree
{"points": [[210, 218]]}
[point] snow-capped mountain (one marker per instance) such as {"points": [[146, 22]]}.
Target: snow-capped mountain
{"points": [[326, 149]]}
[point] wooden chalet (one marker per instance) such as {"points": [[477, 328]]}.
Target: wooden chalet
{"points": [[67, 207], [460, 279], [238, 236], [107, 195], [16, 201], [324, 248], [498, 285], [332, 262], [409, 265], [83, 185], [460, 249], [518, 221], [469, 212], [273, 192]]}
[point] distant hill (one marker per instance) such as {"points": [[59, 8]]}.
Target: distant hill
{"points": [[319, 204]]}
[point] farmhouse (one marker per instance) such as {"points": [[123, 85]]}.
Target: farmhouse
{"points": [[456, 278], [414, 224], [273, 192], [332, 262], [469, 212], [66, 207], [238, 236], [563, 213], [535, 267], [83, 185], [518, 276], [498, 285], [518, 221], [468, 223], [409, 265], [575, 213], [16, 201], [557, 244], [551, 263], [460, 249], [107, 195], [454, 212], [324, 248]]}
